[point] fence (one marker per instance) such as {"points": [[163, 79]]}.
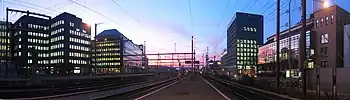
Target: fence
{"points": [[331, 81]]}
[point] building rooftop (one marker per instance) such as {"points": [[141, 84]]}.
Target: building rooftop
{"points": [[109, 33], [241, 13]]}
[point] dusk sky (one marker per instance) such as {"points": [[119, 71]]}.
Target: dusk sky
{"points": [[164, 22]]}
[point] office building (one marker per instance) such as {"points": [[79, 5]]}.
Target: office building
{"points": [[4, 47], [115, 53], [60, 45], [325, 42], [224, 59], [31, 45], [70, 45], [244, 35], [329, 38], [267, 52]]}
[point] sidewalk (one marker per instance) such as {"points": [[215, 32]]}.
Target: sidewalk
{"points": [[190, 88]]}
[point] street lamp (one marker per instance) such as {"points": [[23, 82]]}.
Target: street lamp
{"points": [[325, 4]]}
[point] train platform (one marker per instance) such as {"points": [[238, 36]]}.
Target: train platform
{"points": [[192, 87]]}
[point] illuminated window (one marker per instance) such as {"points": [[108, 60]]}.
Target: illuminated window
{"points": [[254, 29], [324, 38], [332, 19], [321, 22], [327, 20]]}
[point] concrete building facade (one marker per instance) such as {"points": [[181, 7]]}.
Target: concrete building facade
{"points": [[329, 36]]}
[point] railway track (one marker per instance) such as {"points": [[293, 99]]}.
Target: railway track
{"points": [[133, 93], [243, 92], [41, 93]]}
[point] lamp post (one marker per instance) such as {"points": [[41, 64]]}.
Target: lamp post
{"points": [[95, 45]]}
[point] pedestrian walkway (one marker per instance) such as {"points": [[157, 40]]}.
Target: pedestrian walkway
{"points": [[192, 87]]}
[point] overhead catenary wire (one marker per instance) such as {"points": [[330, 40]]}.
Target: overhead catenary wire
{"points": [[126, 11], [272, 13], [25, 6], [224, 35], [254, 2], [98, 13], [283, 6], [37, 6], [268, 8], [264, 6], [222, 16], [292, 10], [132, 16], [62, 5]]}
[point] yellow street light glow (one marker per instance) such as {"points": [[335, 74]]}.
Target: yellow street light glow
{"points": [[326, 4]]}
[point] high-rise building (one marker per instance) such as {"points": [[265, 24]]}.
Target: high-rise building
{"points": [[31, 45], [70, 44], [244, 36], [116, 53]]}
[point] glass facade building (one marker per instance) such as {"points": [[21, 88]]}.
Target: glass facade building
{"points": [[267, 52], [115, 53]]}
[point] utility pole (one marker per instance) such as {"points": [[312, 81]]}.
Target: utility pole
{"points": [[172, 55], [302, 44], [144, 56], [194, 59], [278, 44], [207, 57], [192, 53], [95, 45], [289, 38]]}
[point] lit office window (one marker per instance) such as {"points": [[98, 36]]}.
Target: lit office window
{"points": [[254, 29], [324, 38], [71, 24], [332, 19], [29, 61], [321, 22], [326, 20]]}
